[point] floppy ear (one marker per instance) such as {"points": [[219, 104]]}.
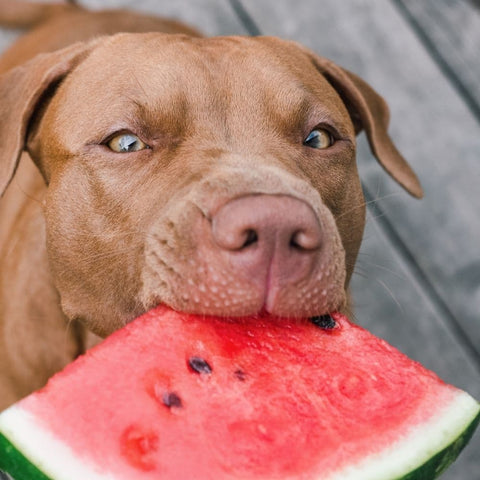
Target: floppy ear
{"points": [[369, 111], [22, 91]]}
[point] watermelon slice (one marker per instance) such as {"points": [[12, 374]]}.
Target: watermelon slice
{"points": [[179, 397]]}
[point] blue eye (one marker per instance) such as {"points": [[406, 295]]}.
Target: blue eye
{"points": [[319, 138], [126, 143]]}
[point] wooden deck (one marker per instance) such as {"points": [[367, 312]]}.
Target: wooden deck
{"points": [[418, 275]]}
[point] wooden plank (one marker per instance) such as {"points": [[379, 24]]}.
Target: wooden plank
{"points": [[7, 37], [450, 30], [438, 134], [212, 17]]}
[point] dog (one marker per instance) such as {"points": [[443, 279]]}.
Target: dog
{"points": [[214, 175]]}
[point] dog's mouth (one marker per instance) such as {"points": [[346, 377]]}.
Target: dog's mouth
{"points": [[323, 319], [226, 292]]}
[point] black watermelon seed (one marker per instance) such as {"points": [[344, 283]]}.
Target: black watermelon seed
{"points": [[199, 365], [171, 399], [240, 374], [324, 321]]}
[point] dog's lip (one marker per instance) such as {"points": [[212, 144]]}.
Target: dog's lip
{"points": [[262, 313]]}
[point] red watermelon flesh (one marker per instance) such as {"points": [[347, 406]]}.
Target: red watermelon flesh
{"points": [[175, 396]]}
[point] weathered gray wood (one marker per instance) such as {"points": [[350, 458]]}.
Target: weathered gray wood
{"points": [[451, 29], [7, 37], [438, 134], [212, 17]]}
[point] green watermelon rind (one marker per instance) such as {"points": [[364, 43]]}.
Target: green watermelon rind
{"points": [[15, 464], [463, 408], [434, 467], [41, 451]]}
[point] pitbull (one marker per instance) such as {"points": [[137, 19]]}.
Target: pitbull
{"points": [[213, 175]]}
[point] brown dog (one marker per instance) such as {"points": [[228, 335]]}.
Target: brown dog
{"points": [[214, 175]]}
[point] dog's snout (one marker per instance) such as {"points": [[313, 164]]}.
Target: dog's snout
{"points": [[273, 234], [270, 253]]}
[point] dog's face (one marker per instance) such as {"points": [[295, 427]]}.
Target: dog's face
{"points": [[214, 175]]}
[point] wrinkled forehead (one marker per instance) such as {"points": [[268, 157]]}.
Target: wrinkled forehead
{"points": [[222, 78]]}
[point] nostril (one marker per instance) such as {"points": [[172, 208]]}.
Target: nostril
{"points": [[230, 236], [251, 237], [305, 240], [294, 242]]}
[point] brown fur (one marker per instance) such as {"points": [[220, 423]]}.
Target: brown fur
{"points": [[90, 238]]}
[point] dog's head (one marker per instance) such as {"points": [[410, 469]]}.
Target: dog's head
{"points": [[215, 175]]}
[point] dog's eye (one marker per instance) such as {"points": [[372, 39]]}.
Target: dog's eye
{"points": [[319, 138], [126, 143]]}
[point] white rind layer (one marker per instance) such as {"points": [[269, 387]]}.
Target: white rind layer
{"points": [[44, 450], [424, 441]]}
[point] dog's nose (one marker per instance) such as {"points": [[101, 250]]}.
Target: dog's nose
{"points": [[271, 237]]}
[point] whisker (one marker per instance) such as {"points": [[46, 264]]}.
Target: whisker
{"points": [[382, 284], [370, 202], [368, 256]]}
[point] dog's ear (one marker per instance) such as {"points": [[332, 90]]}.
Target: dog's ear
{"points": [[22, 91], [370, 112]]}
